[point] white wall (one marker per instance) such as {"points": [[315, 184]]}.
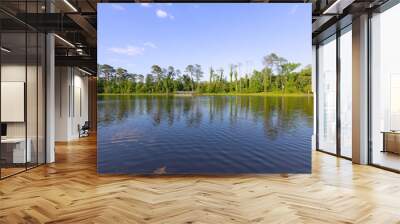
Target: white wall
{"points": [[62, 83], [71, 87]]}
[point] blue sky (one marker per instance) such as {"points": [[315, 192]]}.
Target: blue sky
{"points": [[136, 36]]}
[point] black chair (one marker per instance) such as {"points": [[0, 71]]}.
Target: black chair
{"points": [[84, 130]]}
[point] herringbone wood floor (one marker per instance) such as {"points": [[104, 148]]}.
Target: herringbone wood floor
{"points": [[70, 191]]}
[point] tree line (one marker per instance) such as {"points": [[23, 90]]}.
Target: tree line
{"points": [[277, 75]]}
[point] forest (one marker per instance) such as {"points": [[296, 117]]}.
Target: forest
{"points": [[277, 76]]}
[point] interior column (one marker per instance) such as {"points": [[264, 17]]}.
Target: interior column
{"points": [[360, 90]]}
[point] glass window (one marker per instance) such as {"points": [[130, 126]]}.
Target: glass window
{"points": [[346, 93], [327, 95], [385, 89]]}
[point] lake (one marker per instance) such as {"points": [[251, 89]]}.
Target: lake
{"points": [[204, 134]]}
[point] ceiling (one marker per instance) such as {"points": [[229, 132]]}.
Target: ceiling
{"points": [[75, 22]]}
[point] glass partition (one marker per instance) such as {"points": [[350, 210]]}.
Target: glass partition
{"points": [[22, 87], [13, 90], [385, 89], [41, 97], [31, 99], [327, 95]]}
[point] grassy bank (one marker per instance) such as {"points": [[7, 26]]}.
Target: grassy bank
{"points": [[256, 94], [210, 94]]}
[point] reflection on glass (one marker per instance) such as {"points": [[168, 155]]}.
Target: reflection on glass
{"points": [[327, 96], [22, 91], [31, 97], [346, 94], [386, 89], [13, 85], [205, 134], [41, 99]]}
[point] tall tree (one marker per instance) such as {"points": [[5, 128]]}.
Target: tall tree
{"points": [[107, 70], [169, 77], [211, 82], [278, 74], [198, 73], [121, 73], [287, 69], [190, 71], [220, 79], [239, 65], [270, 61], [149, 83], [157, 72], [231, 68], [236, 78], [274, 62]]}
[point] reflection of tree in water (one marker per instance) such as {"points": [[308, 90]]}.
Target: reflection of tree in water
{"points": [[114, 108], [194, 116], [275, 113], [158, 111], [170, 110]]}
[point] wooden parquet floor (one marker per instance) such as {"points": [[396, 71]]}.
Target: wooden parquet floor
{"points": [[70, 191]]}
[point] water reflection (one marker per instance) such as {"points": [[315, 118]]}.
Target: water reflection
{"points": [[240, 133], [275, 113]]}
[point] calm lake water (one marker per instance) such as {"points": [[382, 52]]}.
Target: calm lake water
{"points": [[204, 134]]}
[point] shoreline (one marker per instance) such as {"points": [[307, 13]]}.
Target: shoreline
{"points": [[209, 94]]}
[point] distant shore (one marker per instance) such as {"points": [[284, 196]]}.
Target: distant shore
{"points": [[207, 94]]}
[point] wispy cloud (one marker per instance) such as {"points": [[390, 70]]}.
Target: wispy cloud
{"points": [[128, 51], [117, 7], [149, 44], [145, 4], [293, 10], [163, 14]]}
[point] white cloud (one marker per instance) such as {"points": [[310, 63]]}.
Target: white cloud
{"points": [[117, 7], [129, 50], [149, 44], [145, 4], [161, 13]]}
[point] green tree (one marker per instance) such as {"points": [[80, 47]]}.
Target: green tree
{"points": [[210, 83], [107, 71], [150, 83], [190, 70], [157, 73], [198, 73], [287, 69], [277, 75]]}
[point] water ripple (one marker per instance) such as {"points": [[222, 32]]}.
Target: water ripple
{"points": [[204, 135]]}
